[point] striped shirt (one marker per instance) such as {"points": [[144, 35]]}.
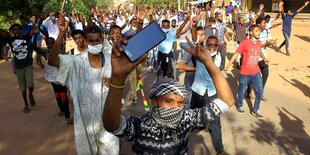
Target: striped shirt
{"points": [[263, 38]]}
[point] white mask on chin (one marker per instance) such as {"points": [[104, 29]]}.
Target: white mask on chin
{"points": [[95, 49], [134, 28], [255, 40], [213, 53]]}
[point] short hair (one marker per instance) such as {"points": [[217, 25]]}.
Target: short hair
{"points": [[51, 39], [174, 20], [75, 32], [253, 26], [260, 20], [92, 29], [199, 28], [165, 21], [114, 27], [212, 37], [267, 16], [14, 25]]}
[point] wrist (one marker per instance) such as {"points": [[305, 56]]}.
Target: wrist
{"points": [[118, 81]]}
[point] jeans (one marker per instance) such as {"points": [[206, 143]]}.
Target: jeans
{"points": [[257, 83], [286, 42], [153, 58], [264, 69], [215, 128]]}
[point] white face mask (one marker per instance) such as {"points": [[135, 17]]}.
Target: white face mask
{"points": [[95, 49], [134, 28], [255, 40], [213, 53], [165, 30], [213, 25]]}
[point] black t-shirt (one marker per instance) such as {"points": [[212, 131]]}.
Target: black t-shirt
{"points": [[22, 50]]}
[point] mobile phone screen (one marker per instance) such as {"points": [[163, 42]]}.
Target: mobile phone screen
{"points": [[144, 41]]}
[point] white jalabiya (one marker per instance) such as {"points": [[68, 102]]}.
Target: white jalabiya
{"points": [[89, 94]]}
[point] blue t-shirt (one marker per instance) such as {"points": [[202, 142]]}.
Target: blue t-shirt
{"points": [[203, 81], [229, 8], [39, 36], [287, 22], [166, 46], [189, 76]]}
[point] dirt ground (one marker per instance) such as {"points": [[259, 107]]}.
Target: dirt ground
{"points": [[285, 129]]}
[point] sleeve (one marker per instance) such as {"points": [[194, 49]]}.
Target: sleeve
{"points": [[293, 15], [61, 74], [186, 57], [127, 128], [45, 22], [200, 117], [240, 49]]}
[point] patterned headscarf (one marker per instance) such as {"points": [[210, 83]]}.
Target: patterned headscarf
{"points": [[169, 86]]}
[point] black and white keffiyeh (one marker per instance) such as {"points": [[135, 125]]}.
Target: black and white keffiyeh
{"points": [[167, 117], [169, 86]]}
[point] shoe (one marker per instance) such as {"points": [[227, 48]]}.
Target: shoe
{"points": [[134, 100], [150, 68], [288, 54], [60, 113], [240, 109], [69, 120], [264, 99], [26, 110], [32, 101], [257, 115]]}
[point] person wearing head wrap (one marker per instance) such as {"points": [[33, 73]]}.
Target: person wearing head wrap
{"points": [[166, 128]]}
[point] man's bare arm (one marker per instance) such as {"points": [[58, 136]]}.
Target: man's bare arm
{"points": [[53, 59]]}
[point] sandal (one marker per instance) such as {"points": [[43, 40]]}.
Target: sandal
{"points": [[32, 101], [69, 120], [26, 110]]}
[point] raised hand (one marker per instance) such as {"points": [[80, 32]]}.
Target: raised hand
{"points": [[261, 6], [197, 51], [194, 22], [306, 3], [62, 23], [281, 3], [121, 65]]}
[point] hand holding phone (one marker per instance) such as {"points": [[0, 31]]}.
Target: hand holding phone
{"points": [[144, 41]]}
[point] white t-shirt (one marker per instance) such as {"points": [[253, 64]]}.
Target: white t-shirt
{"points": [[89, 95], [52, 28]]}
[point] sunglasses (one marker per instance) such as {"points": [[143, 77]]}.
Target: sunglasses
{"points": [[214, 45]]}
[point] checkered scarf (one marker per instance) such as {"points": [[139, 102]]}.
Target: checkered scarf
{"points": [[167, 117], [169, 86]]}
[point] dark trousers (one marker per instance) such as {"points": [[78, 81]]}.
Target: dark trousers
{"points": [[222, 51], [62, 98], [165, 62], [215, 128], [264, 69]]}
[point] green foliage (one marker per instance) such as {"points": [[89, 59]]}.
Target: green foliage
{"points": [[105, 4], [52, 6], [4, 23]]}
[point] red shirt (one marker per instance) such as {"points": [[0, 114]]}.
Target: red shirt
{"points": [[250, 56]]}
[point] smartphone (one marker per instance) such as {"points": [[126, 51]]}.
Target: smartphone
{"points": [[144, 41]]}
